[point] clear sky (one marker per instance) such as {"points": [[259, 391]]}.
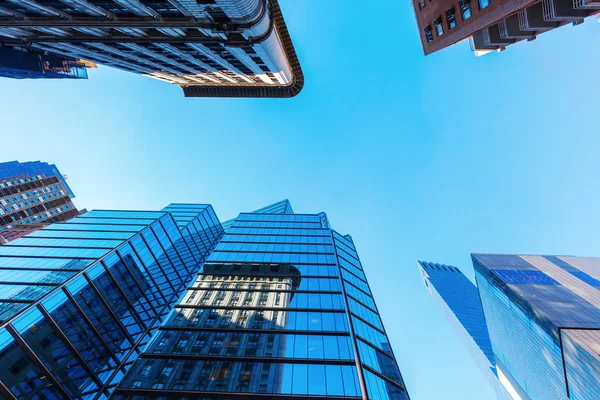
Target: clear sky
{"points": [[417, 157]]}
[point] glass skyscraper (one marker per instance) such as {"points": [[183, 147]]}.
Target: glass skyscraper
{"points": [[278, 306], [543, 318], [81, 299]]}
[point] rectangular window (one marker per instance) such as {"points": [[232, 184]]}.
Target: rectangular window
{"points": [[439, 29], [465, 8], [422, 5], [428, 34], [483, 4], [450, 18]]}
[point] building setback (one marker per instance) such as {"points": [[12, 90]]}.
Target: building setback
{"points": [[543, 317], [494, 24], [276, 307], [32, 195], [211, 48]]}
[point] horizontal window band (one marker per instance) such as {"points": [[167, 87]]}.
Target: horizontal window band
{"points": [[271, 252], [270, 360], [266, 275], [37, 246], [354, 274], [213, 307], [273, 243], [362, 304], [351, 262], [17, 301], [265, 290], [363, 341], [368, 323], [40, 269], [31, 283], [229, 233], [58, 257], [372, 345], [83, 230], [383, 377], [249, 224], [257, 331], [178, 394], [349, 282]]}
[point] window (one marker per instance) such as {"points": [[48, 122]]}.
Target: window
{"points": [[422, 5], [483, 4], [439, 29], [465, 8], [450, 18]]}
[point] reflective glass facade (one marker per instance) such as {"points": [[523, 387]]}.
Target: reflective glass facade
{"points": [[458, 298], [543, 318], [280, 309], [81, 299]]}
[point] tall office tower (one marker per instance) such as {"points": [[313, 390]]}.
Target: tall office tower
{"points": [[211, 48], [543, 319], [81, 299], [494, 24], [32, 194], [457, 297], [281, 309]]}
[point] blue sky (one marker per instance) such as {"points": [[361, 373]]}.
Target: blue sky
{"points": [[417, 157]]}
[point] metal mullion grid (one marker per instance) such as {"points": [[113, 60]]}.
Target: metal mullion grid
{"points": [[110, 310], [16, 301], [253, 308], [368, 323], [70, 345], [92, 327], [120, 290], [359, 266], [80, 272], [187, 229], [354, 298], [190, 394], [151, 232], [358, 362], [209, 225], [271, 360], [266, 290], [140, 286], [273, 234], [25, 347], [38, 246], [270, 252], [49, 228], [201, 234], [127, 356], [376, 312], [253, 330], [30, 283], [4, 391], [160, 267], [385, 378], [175, 247], [269, 276], [278, 227], [135, 251], [353, 274]]}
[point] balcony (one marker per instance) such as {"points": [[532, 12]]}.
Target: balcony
{"points": [[562, 10], [510, 29], [532, 19]]}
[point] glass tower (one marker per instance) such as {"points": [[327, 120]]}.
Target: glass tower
{"points": [[543, 318], [81, 299], [149, 305], [280, 309], [457, 297]]}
